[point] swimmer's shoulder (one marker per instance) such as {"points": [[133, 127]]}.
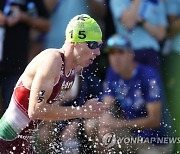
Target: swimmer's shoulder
{"points": [[49, 55], [47, 62], [51, 52], [46, 57]]}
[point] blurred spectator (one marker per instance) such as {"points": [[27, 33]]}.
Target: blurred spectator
{"points": [[137, 90], [144, 22], [37, 39], [16, 19]]}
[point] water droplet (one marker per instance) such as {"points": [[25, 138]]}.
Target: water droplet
{"points": [[44, 109]]}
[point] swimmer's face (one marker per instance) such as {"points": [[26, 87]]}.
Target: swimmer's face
{"points": [[86, 52]]}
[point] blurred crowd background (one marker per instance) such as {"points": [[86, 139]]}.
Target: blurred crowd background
{"points": [[153, 27]]}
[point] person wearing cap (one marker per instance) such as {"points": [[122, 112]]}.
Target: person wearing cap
{"points": [[144, 22], [44, 83], [136, 88]]}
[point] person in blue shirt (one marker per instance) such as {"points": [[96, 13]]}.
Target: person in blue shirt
{"points": [[138, 92], [144, 22]]}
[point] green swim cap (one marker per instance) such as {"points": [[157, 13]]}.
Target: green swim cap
{"points": [[83, 28]]}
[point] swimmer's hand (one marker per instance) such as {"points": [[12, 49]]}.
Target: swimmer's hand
{"points": [[92, 109]]}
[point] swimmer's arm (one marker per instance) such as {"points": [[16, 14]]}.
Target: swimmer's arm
{"points": [[50, 112], [41, 90], [40, 109], [42, 85], [108, 101]]}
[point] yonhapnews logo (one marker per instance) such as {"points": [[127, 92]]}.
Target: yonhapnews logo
{"points": [[109, 140]]}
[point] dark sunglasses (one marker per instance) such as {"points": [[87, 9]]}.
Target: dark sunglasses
{"points": [[93, 44]]}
